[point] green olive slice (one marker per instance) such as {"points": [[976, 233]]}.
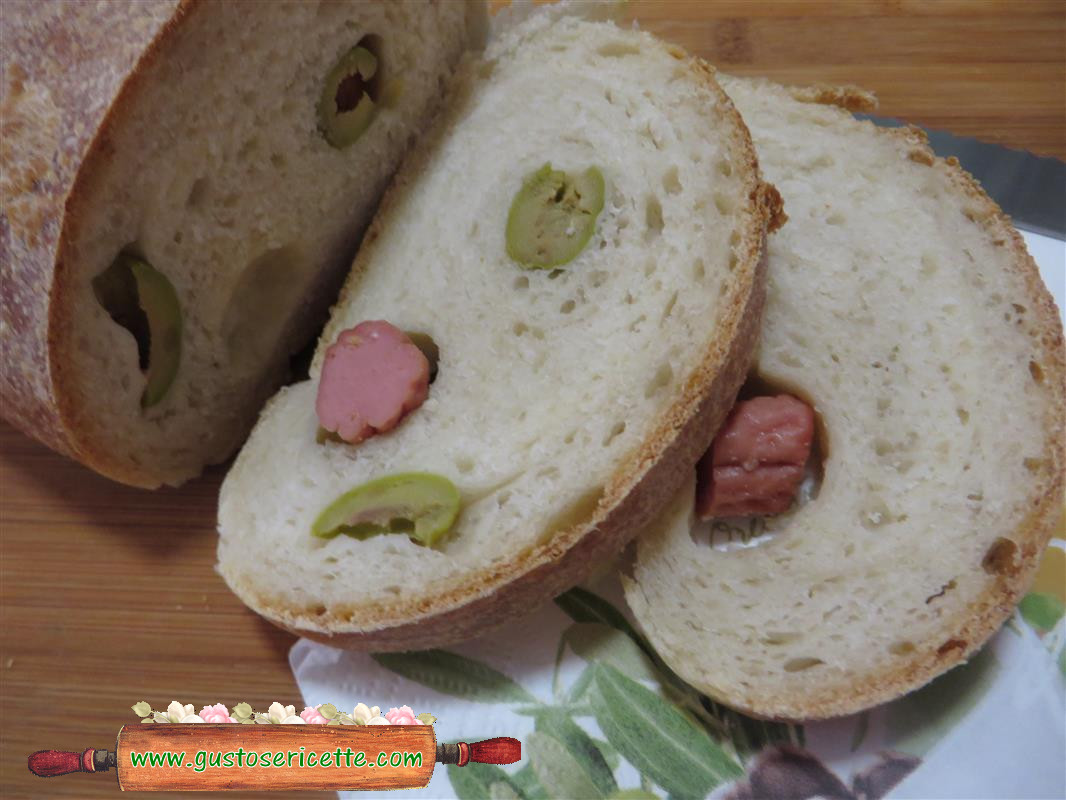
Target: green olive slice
{"points": [[345, 108], [420, 505], [553, 216], [141, 299]]}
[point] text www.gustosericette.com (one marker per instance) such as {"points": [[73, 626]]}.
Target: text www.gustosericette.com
{"points": [[243, 759]]}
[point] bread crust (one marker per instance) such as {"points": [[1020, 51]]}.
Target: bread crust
{"points": [[636, 492], [56, 119], [1014, 569]]}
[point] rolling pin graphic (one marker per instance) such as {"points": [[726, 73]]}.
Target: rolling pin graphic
{"points": [[274, 757]]}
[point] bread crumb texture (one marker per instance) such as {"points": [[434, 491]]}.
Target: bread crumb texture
{"points": [[549, 380], [902, 303]]}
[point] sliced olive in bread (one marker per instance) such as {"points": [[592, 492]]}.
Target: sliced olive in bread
{"points": [[553, 216], [416, 504], [141, 299]]}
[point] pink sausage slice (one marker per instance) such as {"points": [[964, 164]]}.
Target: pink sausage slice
{"points": [[756, 462], [372, 377]]}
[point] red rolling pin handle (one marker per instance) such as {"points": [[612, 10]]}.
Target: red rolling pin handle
{"points": [[50, 763], [501, 750]]}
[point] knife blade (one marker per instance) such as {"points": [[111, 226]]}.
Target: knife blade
{"points": [[1030, 188]]}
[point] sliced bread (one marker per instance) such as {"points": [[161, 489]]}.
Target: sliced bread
{"points": [[181, 201], [569, 402], [902, 305]]}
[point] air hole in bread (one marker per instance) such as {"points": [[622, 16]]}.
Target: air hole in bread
{"points": [[618, 50], [616, 430], [521, 282], [669, 308], [951, 645], [249, 149], [1033, 464], [429, 348], [901, 648], [579, 512], [875, 514], [781, 637], [198, 193], [653, 217], [699, 269], [267, 289], [672, 181], [464, 464], [597, 278], [963, 415], [503, 497], [723, 203], [1000, 558], [800, 664], [1036, 371], [520, 329], [660, 380], [836, 218], [567, 307]]}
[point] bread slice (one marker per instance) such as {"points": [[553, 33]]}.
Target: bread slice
{"points": [[569, 403], [188, 133], [903, 305]]}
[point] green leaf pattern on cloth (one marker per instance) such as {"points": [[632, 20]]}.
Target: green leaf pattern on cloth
{"points": [[451, 673], [682, 744]]}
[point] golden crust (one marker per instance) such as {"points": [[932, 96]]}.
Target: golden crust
{"points": [[1014, 567], [851, 98], [636, 492]]}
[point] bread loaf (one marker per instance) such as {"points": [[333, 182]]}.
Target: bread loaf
{"points": [[902, 305], [188, 136], [569, 402]]}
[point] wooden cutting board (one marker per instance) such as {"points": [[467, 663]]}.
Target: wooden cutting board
{"points": [[108, 594]]}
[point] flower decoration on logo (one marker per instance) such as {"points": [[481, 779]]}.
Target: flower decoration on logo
{"points": [[277, 714]]}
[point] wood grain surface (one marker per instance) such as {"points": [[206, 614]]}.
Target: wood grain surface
{"points": [[108, 594]]}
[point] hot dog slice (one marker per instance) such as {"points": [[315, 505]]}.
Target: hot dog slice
{"points": [[372, 376], [756, 461]]}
